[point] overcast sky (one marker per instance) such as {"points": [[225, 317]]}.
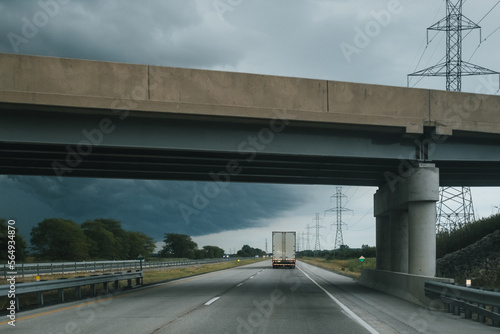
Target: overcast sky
{"points": [[367, 41]]}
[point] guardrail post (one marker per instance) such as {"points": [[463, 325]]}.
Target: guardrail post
{"points": [[95, 268], [78, 292], [5, 271], [62, 268], [92, 290], [75, 268], [60, 292], [22, 270], [85, 266], [129, 283], [480, 317], [105, 286], [39, 298], [51, 269], [116, 285], [496, 309], [38, 269]]}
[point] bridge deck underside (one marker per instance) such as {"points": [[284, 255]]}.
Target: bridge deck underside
{"points": [[33, 142], [134, 163]]}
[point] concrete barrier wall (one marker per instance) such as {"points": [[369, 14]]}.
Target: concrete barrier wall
{"points": [[70, 77], [93, 84], [237, 89], [464, 111], [405, 286]]}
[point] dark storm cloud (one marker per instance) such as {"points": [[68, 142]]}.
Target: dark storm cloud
{"points": [[170, 33], [278, 37], [152, 207]]}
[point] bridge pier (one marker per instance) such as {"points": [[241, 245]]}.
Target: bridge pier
{"points": [[405, 212], [399, 241], [406, 217]]}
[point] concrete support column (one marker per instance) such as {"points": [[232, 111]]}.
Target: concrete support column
{"points": [[399, 241], [422, 238], [383, 240], [423, 193], [405, 209]]}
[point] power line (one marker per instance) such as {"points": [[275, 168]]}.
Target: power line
{"points": [[494, 31], [423, 41], [498, 2], [364, 229], [367, 212], [482, 40]]}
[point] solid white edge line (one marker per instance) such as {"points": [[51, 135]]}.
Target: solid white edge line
{"points": [[211, 301], [240, 284], [347, 310]]}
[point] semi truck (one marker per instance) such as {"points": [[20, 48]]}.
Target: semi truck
{"points": [[284, 249]]}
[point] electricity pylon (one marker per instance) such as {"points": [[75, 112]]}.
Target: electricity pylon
{"points": [[308, 244], [455, 206], [338, 209], [317, 219]]}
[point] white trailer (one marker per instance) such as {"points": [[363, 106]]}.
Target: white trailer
{"points": [[284, 249]]}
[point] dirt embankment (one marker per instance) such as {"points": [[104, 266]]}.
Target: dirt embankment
{"points": [[479, 262]]}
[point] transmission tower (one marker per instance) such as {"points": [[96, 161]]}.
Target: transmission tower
{"points": [[338, 209], [455, 206], [308, 234], [454, 67], [317, 219]]}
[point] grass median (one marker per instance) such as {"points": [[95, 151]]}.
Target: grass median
{"points": [[347, 267], [165, 274]]}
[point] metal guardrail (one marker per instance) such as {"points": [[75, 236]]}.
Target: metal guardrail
{"points": [[77, 283], [97, 266], [485, 304]]}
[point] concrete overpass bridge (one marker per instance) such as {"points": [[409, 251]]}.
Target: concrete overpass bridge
{"points": [[66, 117]]}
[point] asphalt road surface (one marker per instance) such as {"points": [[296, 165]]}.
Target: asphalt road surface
{"points": [[251, 299]]}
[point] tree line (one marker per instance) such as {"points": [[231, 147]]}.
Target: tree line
{"points": [[56, 239], [344, 252], [182, 246]]}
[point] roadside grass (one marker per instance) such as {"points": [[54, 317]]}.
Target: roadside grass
{"points": [[347, 267], [165, 274], [154, 275]]}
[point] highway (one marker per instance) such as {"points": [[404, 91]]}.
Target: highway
{"points": [[249, 299]]}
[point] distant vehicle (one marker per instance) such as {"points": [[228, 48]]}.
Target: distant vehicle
{"points": [[225, 256], [284, 249]]}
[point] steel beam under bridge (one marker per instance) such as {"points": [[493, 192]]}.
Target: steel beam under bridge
{"points": [[101, 144]]}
